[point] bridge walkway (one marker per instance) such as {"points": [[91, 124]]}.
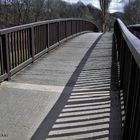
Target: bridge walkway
{"points": [[70, 93]]}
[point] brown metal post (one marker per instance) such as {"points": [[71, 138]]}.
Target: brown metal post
{"points": [[48, 37], [1, 57], [32, 37], [58, 31], [6, 55], [65, 29], [71, 27]]}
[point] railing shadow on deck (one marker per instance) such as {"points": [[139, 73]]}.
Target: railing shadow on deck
{"points": [[84, 108]]}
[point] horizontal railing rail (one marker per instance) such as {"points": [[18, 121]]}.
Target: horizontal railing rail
{"points": [[21, 45], [128, 50], [135, 29]]}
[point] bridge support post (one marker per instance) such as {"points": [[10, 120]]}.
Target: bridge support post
{"points": [[6, 56], [48, 37], [59, 32], [32, 49]]}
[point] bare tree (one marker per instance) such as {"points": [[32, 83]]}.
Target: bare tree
{"points": [[38, 7], [6, 12], [17, 7], [15, 12], [28, 12], [104, 5]]}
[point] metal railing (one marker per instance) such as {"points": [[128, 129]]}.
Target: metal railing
{"points": [[135, 29], [21, 45], [128, 50]]}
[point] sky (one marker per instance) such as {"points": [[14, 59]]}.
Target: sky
{"points": [[115, 5]]}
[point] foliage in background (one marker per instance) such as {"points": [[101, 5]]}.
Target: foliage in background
{"points": [[17, 12], [132, 13]]}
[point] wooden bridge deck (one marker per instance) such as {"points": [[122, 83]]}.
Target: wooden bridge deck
{"points": [[71, 93]]}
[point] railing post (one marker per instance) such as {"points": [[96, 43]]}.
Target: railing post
{"points": [[1, 57], [58, 31], [71, 27], [76, 26], [6, 55], [48, 45], [65, 28], [32, 37]]}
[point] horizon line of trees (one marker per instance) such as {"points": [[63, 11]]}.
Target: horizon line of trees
{"points": [[17, 12]]}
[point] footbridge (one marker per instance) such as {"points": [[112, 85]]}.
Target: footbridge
{"points": [[64, 80]]}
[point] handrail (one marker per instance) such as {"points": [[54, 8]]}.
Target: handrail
{"points": [[135, 29], [21, 27], [128, 50], [22, 45], [132, 41]]}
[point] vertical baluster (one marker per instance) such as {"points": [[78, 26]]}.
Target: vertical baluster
{"points": [[6, 55], [25, 40], [44, 37], [39, 34], [40, 39], [135, 111], [58, 31], [1, 58], [21, 47], [34, 33], [129, 98], [18, 48], [15, 49], [29, 44], [65, 29], [10, 51], [32, 43], [48, 35]]}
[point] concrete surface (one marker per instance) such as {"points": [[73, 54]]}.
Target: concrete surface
{"points": [[90, 109], [26, 100]]}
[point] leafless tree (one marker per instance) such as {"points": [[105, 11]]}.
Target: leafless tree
{"points": [[17, 11], [104, 5]]}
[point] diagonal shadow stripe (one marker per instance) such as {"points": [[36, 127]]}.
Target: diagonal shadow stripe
{"points": [[80, 126], [77, 133], [45, 127], [85, 120]]}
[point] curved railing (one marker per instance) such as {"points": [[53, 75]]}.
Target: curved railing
{"points": [[128, 50], [135, 29], [21, 45]]}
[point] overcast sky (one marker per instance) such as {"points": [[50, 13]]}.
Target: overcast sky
{"points": [[116, 5]]}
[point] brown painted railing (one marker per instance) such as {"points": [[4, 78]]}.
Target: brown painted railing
{"points": [[128, 50], [21, 45]]}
